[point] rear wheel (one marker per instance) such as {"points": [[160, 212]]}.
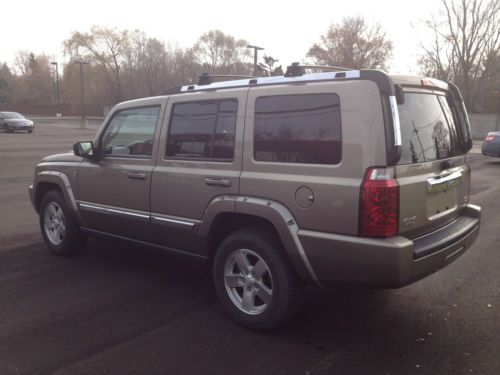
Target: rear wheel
{"points": [[7, 128], [60, 231], [255, 282]]}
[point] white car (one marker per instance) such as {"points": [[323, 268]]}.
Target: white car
{"points": [[13, 121]]}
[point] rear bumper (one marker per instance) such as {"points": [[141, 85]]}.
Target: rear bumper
{"points": [[491, 149], [392, 262]]}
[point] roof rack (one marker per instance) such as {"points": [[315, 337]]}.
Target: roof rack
{"points": [[297, 69], [274, 80], [208, 78]]}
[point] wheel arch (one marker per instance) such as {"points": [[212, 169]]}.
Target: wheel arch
{"points": [[43, 188], [54, 180], [234, 213]]}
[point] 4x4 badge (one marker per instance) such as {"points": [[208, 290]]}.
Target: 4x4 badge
{"points": [[407, 221]]}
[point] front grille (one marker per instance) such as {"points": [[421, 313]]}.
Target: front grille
{"points": [[444, 236]]}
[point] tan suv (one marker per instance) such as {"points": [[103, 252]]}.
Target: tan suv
{"points": [[350, 177]]}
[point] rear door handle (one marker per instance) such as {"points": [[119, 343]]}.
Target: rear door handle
{"points": [[217, 182], [136, 175]]}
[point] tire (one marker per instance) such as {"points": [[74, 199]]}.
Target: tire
{"points": [[30, 131], [267, 298], [60, 231], [7, 128]]}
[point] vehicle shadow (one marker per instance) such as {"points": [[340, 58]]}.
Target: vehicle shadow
{"points": [[141, 299]]}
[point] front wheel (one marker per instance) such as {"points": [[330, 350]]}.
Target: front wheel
{"points": [[255, 282], [60, 231]]}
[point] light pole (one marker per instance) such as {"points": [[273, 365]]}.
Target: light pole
{"points": [[83, 121], [255, 49], [57, 88]]}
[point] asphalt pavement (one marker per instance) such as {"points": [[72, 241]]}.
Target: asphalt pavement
{"points": [[120, 309]]}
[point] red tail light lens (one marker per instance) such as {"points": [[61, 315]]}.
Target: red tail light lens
{"points": [[379, 204], [490, 137]]}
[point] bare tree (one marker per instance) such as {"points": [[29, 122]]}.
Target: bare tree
{"points": [[465, 47], [221, 53], [6, 83], [107, 47], [97, 91], [268, 67], [145, 68], [353, 44], [34, 83]]}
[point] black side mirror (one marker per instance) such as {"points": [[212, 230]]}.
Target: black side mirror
{"points": [[85, 149]]}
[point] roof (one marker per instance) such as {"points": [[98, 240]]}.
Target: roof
{"points": [[261, 81]]}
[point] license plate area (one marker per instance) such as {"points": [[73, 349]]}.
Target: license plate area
{"points": [[443, 194]]}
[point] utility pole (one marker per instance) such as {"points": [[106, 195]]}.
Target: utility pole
{"points": [[83, 120], [58, 114], [255, 49]]}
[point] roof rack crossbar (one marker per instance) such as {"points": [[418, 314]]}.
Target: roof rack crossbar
{"points": [[208, 78], [297, 69]]}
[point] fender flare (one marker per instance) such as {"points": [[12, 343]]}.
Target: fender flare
{"points": [[62, 181], [280, 217]]}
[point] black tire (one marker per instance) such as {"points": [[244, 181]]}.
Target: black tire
{"points": [[30, 131], [73, 239], [287, 289], [7, 128]]}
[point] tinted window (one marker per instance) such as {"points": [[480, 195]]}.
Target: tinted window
{"points": [[298, 129], [131, 132], [428, 129], [203, 130]]}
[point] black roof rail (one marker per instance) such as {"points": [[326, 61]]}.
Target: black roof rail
{"points": [[208, 78], [298, 69]]}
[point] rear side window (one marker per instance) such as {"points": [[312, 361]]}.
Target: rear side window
{"points": [[428, 129], [298, 129], [203, 130]]}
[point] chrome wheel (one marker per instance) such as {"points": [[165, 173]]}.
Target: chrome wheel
{"points": [[53, 218], [248, 281]]}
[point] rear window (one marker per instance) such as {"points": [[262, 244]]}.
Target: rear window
{"points": [[428, 128], [298, 129]]}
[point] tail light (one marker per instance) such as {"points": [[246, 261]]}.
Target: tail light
{"points": [[379, 203], [490, 137]]}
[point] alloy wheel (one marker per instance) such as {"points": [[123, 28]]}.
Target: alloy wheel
{"points": [[248, 281], [54, 224]]}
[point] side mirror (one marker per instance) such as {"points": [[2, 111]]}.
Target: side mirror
{"points": [[85, 149]]}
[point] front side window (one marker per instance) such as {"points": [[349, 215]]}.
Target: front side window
{"points": [[130, 133], [428, 128], [298, 129], [203, 130]]}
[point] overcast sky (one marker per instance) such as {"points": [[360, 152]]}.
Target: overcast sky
{"points": [[285, 28]]}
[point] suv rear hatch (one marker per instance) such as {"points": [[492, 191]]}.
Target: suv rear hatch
{"points": [[432, 173]]}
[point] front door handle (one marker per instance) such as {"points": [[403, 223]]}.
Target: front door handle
{"points": [[136, 175], [214, 181]]}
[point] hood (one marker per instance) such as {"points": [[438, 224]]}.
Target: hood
{"points": [[67, 157]]}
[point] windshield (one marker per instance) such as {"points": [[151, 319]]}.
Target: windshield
{"points": [[428, 128], [12, 115]]}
